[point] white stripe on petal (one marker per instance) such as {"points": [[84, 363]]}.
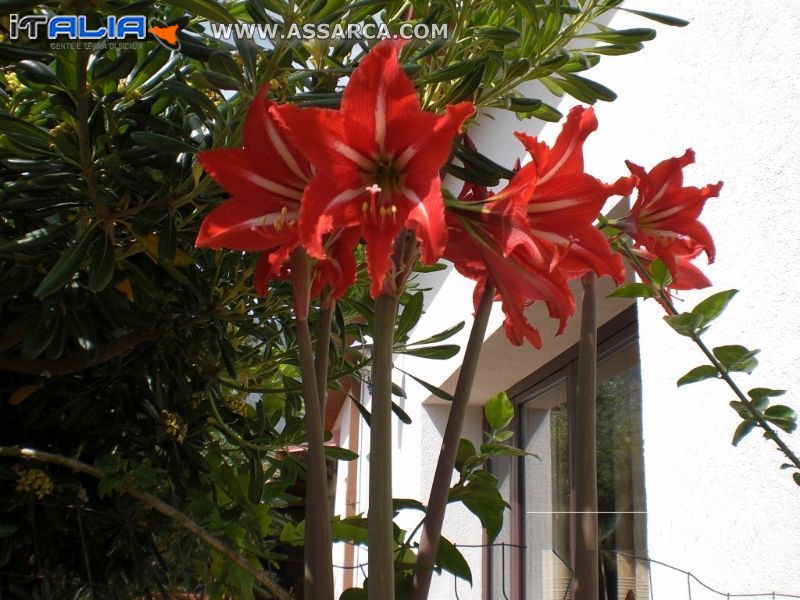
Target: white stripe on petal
{"points": [[353, 155], [411, 195], [553, 205], [380, 116], [284, 152], [663, 214], [272, 186], [549, 236], [560, 163], [345, 196], [404, 157]]}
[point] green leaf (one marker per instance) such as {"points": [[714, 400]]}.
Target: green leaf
{"points": [[698, 374], [438, 392], [7, 530], [504, 35], [623, 36], [737, 358], [483, 499], [441, 336], [584, 89], [162, 143], [660, 273], [38, 72], [401, 414], [632, 290], [337, 453], [451, 560], [712, 307], [466, 450], [658, 17], [407, 504], [204, 8], [354, 594], [102, 265], [742, 430], [758, 393], [501, 450], [109, 483], [442, 352], [687, 324], [796, 477], [499, 411], [782, 416], [412, 312], [65, 267]]}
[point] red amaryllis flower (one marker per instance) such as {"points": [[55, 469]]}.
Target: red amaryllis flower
{"points": [[377, 162], [490, 242], [566, 200], [266, 180], [665, 211]]}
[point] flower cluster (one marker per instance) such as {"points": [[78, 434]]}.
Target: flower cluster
{"points": [[323, 180], [34, 481], [175, 427], [532, 237]]}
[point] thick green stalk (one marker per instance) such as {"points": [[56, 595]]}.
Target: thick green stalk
{"points": [[165, 509], [323, 351], [380, 538], [584, 449], [318, 576], [440, 490]]}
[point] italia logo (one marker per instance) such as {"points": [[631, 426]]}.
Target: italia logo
{"points": [[75, 27]]}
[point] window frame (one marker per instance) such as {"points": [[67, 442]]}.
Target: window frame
{"points": [[615, 335]]}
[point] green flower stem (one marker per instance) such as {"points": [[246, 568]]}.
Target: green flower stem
{"points": [[323, 351], [440, 490], [380, 535], [318, 577], [584, 449], [665, 301], [165, 509]]}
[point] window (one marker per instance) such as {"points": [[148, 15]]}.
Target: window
{"points": [[536, 554]]}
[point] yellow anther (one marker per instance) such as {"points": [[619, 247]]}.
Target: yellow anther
{"points": [[365, 207]]}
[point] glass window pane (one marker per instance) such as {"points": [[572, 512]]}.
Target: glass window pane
{"points": [[546, 484]]}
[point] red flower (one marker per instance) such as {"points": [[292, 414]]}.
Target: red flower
{"points": [[377, 162], [566, 200], [666, 212], [490, 242], [266, 180]]}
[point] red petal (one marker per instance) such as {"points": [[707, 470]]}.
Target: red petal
{"points": [[268, 147], [233, 170], [246, 225]]}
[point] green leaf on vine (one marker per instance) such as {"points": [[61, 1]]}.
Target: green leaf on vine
{"points": [[742, 430], [499, 411], [782, 416], [712, 307], [737, 358], [660, 273], [632, 290], [698, 374], [449, 558], [687, 324]]}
